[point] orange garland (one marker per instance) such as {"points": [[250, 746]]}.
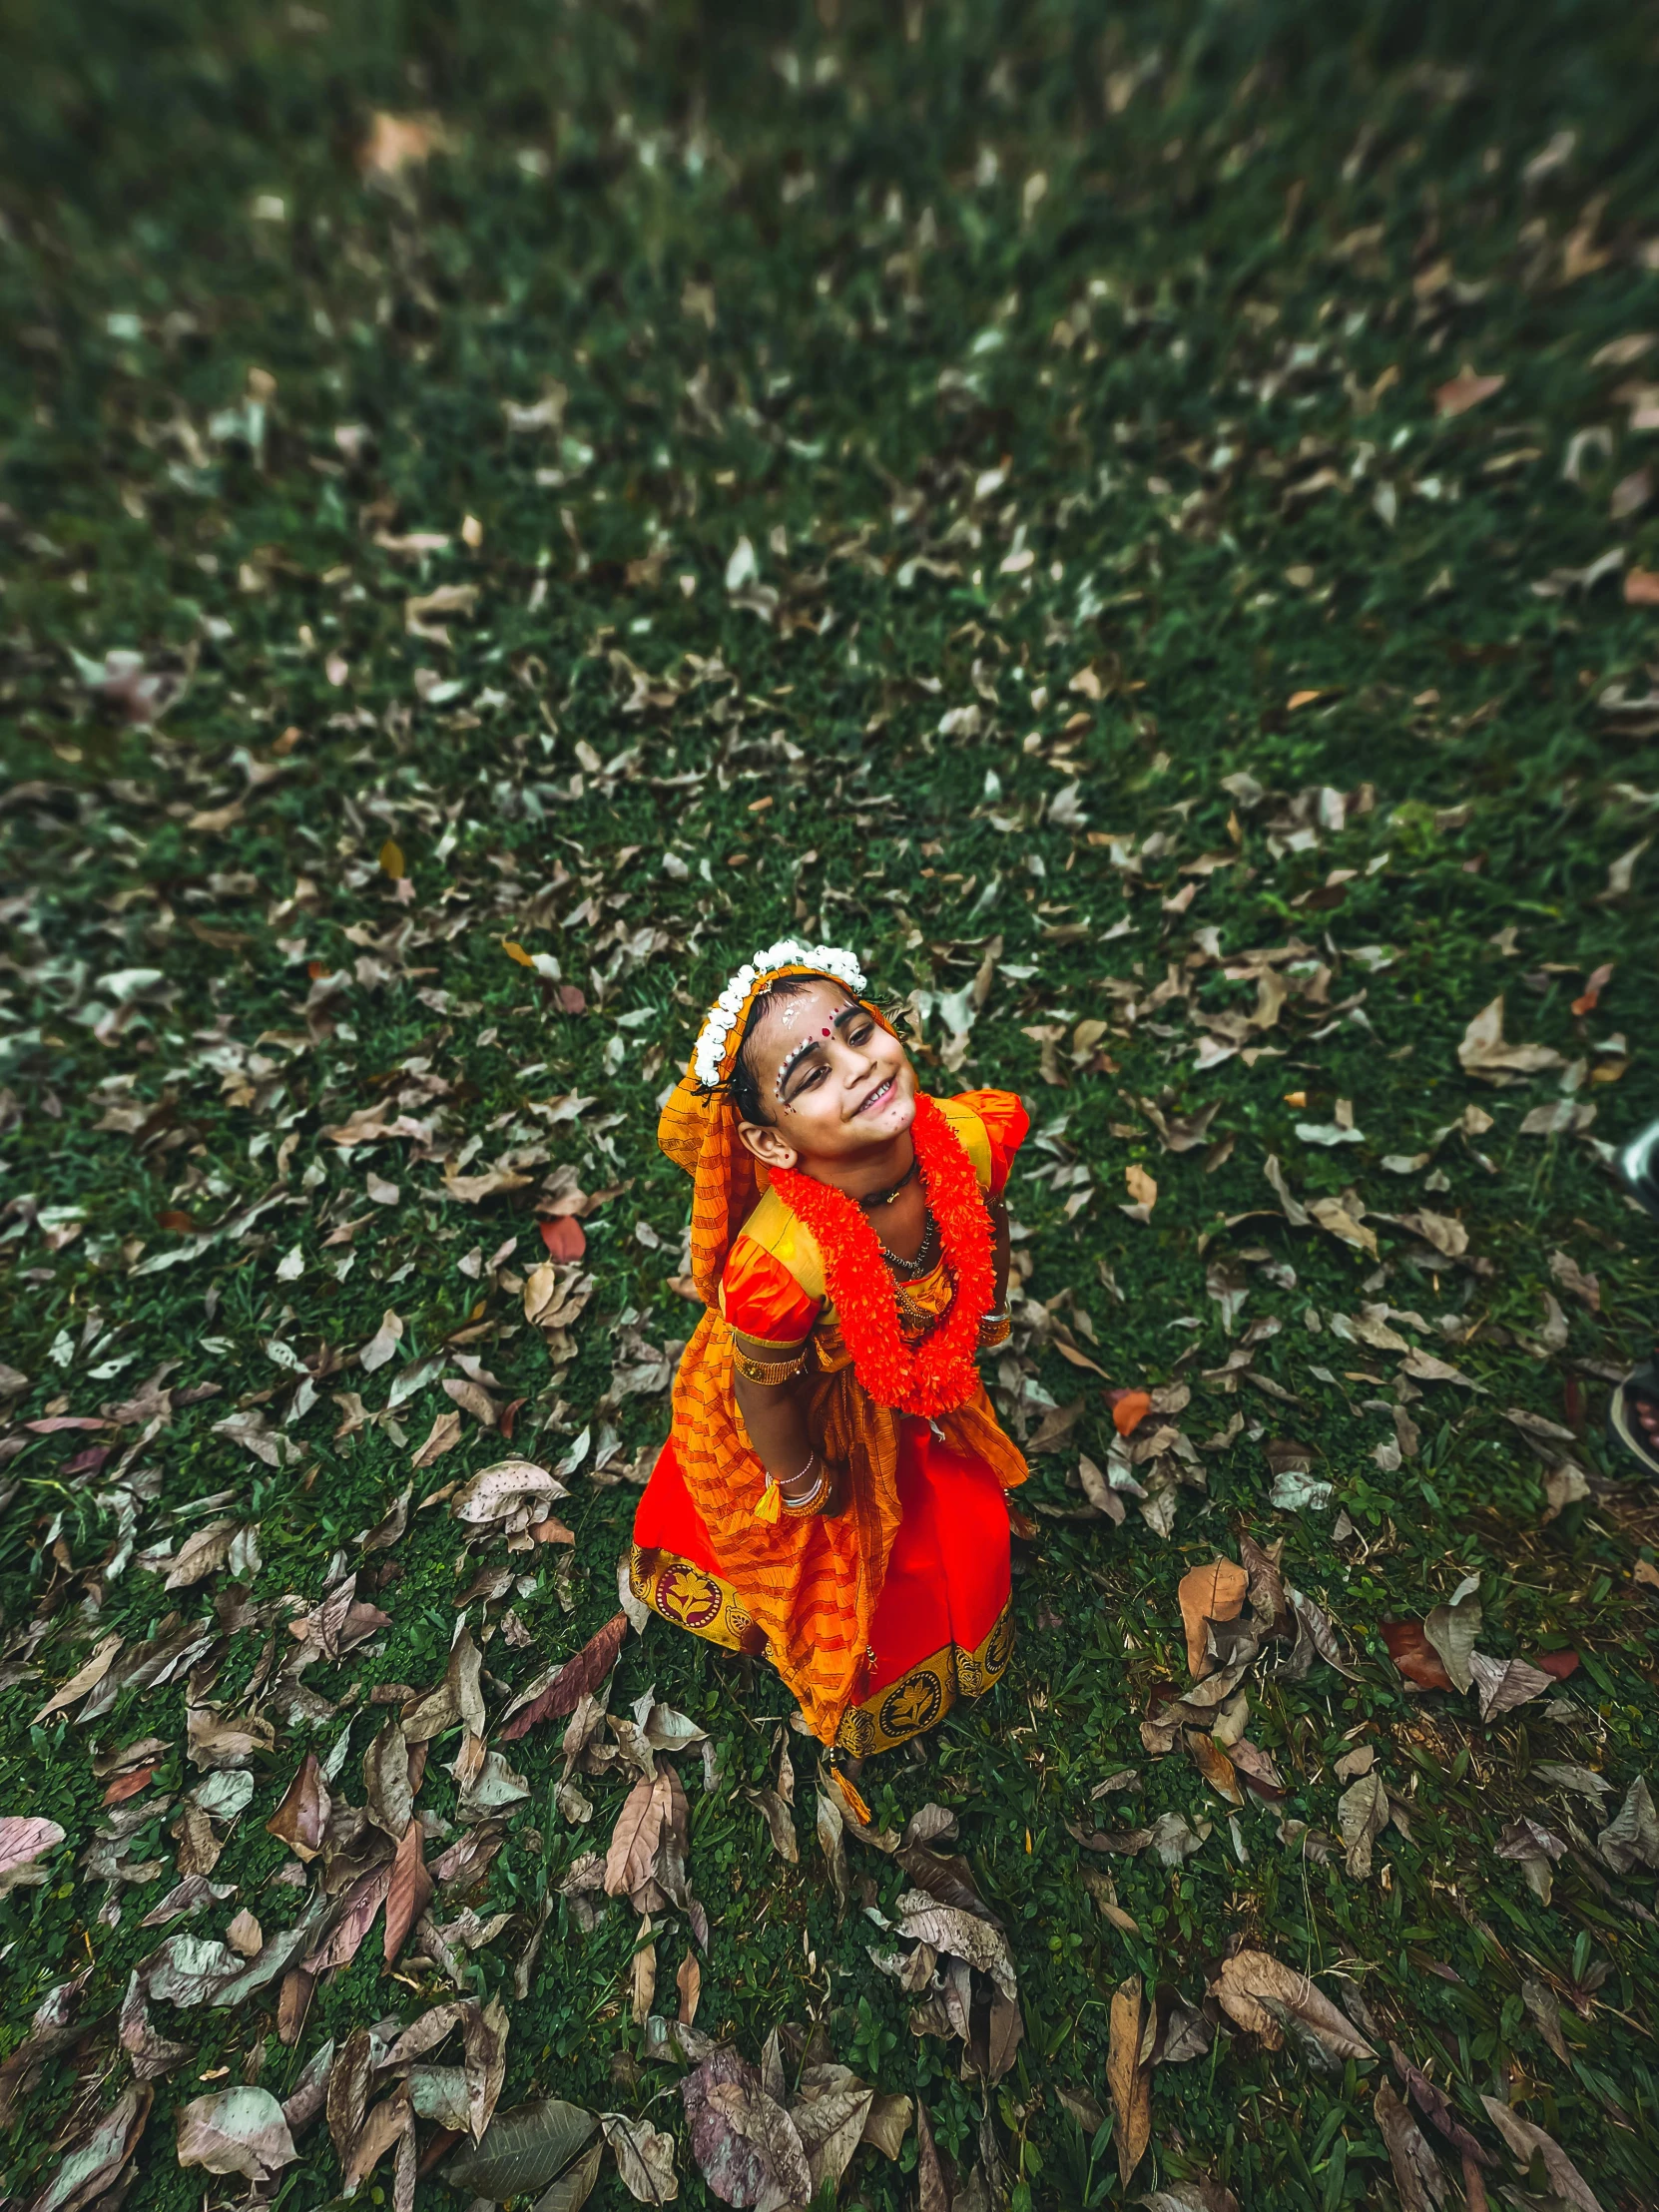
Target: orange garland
{"points": [[939, 1373]]}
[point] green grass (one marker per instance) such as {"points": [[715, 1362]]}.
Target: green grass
{"points": [[901, 297]]}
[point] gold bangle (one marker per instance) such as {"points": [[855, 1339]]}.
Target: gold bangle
{"points": [[994, 1330], [767, 1371], [815, 1498]]}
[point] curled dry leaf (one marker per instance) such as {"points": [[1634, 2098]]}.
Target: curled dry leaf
{"points": [[302, 1820], [25, 1839], [459, 1697], [511, 1494], [1527, 2139], [557, 1692], [1211, 1594], [1452, 1630], [1505, 1683], [644, 2158], [1362, 1816], [1250, 1979], [1631, 1838], [961, 1935], [763, 2124], [84, 1678], [237, 2131], [94, 2163], [1483, 1052], [831, 2112], [1418, 2177]]}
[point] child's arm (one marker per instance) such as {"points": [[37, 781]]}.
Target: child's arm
{"points": [[1000, 1249], [774, 1415]]}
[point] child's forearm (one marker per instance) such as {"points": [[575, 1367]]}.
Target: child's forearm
{"points": [[774, 1416], [1002, 1250]]}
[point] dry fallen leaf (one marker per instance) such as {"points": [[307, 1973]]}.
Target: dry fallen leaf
{"points": [[1464, 391], [1483, 1052], [1126, 2082], [396, 142], [1211, 1593], [1252, 1979], [237, 2131]]}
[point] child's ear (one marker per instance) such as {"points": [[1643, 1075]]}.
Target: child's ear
{"points": [[768, 1145]]}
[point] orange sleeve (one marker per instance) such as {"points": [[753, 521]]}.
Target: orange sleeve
{"points": [[1005, 1124], [761, 1298]]}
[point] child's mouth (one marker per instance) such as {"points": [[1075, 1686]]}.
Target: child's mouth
{"points": [[877, 1098]]}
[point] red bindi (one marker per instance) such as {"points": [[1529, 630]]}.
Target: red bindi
{"points": [[827, 1032]]}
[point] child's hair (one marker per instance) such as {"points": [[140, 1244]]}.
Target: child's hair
{"points": [[745, 1088]]}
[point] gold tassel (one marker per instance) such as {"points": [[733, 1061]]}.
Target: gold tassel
{"points": [[771, 1503], [854, 1801]]}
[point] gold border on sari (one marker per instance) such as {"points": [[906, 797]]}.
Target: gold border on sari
{"points": [[690, 1597]]}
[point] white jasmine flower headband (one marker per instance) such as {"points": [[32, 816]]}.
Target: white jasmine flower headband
{"points": [[726, 1012]]}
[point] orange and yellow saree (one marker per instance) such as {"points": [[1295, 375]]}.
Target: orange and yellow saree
{"points": [[876, 1617]]}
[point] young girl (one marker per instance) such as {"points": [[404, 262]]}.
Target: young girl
{"points": [[832, 1489]]}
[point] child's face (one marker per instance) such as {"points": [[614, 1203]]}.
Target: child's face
{"points": [[835, 1083]]}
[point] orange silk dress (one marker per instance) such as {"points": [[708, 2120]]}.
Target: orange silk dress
{"points": [[879, 1616]]}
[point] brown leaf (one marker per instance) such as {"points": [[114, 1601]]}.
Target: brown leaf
{"points": [[1483, 1052], [1250, 1976], [1415, 1655], [1505, 1683], [1525, 2138], [236, 2131], [87, 1678], [932, 2195], [294, 2001], [1215, 1765], [688, 1983], [1143, 1188], [888, 2124], [644, 2158], [396, 143], [409, 1891], [485, 2061], [1452, 1630], [302, 1820], [362, 1901], [96, 2159], [1211, 1593], [1128, 2083], [457, 1697], [764, 2123], [1362, 1815], [1464, 391], [634, 1840], [445, 1435], [1418, 2176], [642, 1981], [557, 1692], [347, 2095]]}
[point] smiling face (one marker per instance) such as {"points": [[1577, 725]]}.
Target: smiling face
{"points": [[835, 1085]]}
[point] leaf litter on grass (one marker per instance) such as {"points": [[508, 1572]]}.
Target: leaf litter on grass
{"points": [[1186, 626]]}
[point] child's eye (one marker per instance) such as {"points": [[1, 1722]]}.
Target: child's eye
{"points": [[862, 1033]]}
